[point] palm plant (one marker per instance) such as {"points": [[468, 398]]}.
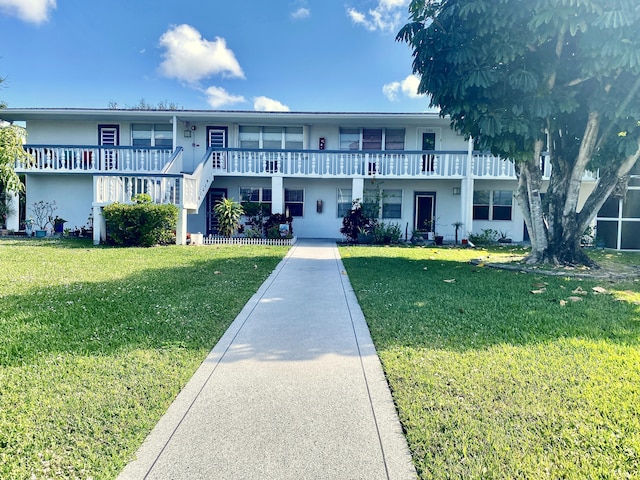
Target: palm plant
{"points": [[228, 213]]}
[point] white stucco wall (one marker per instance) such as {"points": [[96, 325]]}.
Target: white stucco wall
{"points": [[73, 195]]}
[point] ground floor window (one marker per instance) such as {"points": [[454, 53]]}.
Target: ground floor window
{"points": [[385, 203], [492, 204], [618, 221], [294, 201], [344, 201], [391, 203], [255, 194]]}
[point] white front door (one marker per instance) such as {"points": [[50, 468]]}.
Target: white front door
{"points": [[108, 135], [217, 137]]}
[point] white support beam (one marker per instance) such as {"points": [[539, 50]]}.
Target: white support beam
{"points": [[277, 194]]}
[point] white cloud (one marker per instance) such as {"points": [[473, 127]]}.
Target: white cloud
{"points": [[408, 87], [191, 58], [35, 11], [218, 97], [301, 13], [386, 16], [264, 104]]}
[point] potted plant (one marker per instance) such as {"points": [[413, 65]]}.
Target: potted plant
{"points": [[43, 212], [28, 226], [457, 225], [58, 224]]}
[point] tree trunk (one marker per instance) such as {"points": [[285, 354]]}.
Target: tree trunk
{"points": [[530, 203], [556, 232]]}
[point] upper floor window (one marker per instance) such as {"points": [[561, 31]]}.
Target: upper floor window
{"points": [[152, 135], [372, 138], [276, 138], [492, 204]]}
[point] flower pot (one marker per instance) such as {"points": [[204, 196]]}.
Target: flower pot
{"points": [[41, 233]]}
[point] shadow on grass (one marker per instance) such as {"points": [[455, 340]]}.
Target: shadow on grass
{"points": [[186, 307], [436, 303]]}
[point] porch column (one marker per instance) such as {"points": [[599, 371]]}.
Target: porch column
{"points": [[181, 227], [466, 193], [13, 219], [99, 226], [277, 194], [357, 189]]}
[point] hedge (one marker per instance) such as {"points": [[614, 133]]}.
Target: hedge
{"points": [[142, 225]]}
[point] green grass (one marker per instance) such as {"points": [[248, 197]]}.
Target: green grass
{"points": [[494, 381], [96, 342]]}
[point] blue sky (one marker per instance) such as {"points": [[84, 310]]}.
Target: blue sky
{"points": [[296, 55]]}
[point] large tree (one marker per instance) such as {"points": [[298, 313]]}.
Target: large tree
{"points": [[11, 149], [527, 76]]}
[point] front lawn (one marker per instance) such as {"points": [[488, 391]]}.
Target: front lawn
{"points": [[96, 343], [502, 374]]}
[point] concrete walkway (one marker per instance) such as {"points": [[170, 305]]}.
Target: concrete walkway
{"points": [[293, 390]]}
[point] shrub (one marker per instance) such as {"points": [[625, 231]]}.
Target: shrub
{"points": [[386, 234], [141, 224], [355, 223], [228, 213], [488, 236], [272, 225]]}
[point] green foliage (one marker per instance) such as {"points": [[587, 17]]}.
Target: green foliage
{"points": [[141, 224], [386, 233], [142, 198], [97, 342], [493, 381], [503, 69], [487, 236], [520, 76], [272, 225], [11, 149], [228, 213], [255, 214], [355, 222]]}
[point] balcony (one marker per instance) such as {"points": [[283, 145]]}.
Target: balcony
{"points": [[95, 159], [437, 164]]}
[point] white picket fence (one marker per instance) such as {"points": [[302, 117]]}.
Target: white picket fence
{"points": [[216, 240]]}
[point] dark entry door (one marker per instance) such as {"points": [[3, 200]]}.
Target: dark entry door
{"points": [[424, 208], [213, 196], [429, 145]]}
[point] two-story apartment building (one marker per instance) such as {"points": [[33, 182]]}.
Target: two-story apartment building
{"points": [[311, 165]]}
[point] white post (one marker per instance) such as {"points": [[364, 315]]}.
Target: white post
{"points": [[99, 226], [357, 189], [13, 220], [277, 194], [466, 193], [181, 227]]}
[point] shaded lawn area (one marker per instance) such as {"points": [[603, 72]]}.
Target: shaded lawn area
{"points": [[96, 343], [494, 381]]}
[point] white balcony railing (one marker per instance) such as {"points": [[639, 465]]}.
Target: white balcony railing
{"points": [[89, 159], [121, 188], [324, 163]]}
